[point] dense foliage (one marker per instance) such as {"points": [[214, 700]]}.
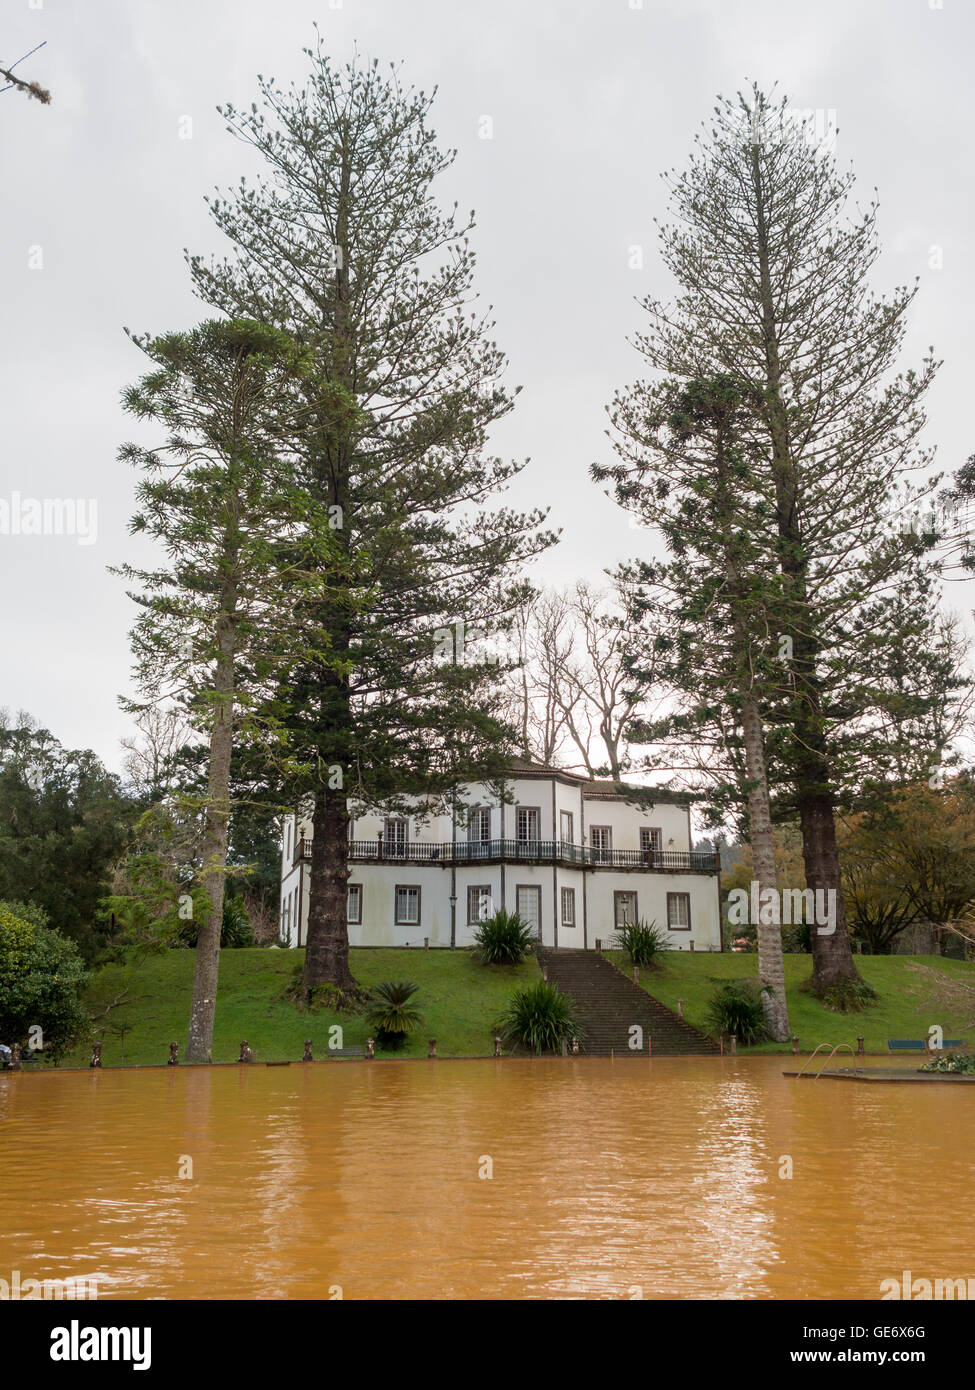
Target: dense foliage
{"points": [[503, 939], [42, 978], [541, 1018]]}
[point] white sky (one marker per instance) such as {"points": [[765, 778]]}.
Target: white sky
{"points": [[590, 100]]}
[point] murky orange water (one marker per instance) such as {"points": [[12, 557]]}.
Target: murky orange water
{"points": [[608, 1178]]}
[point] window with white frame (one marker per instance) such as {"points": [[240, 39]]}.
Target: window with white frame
{"points": [[395, 837], [679, 911], [526, 823], [353, 912], [407, 905], [651, 839], [568, 907], [479, 825], [478, 904], [565, 827], [601, 841]]}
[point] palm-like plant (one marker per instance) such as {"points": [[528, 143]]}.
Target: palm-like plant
{"points": [[503, 939], [642, 941], [541, 1018], [389, 1013], [737, 1010]]}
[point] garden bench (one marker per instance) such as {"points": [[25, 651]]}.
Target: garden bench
{"points": [[921, 1044]]}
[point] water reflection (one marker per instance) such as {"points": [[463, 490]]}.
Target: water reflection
{"points": [[656, 1179]]}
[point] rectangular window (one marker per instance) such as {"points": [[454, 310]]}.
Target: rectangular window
{"points": [[407, 905], [651, 838], [479, 825], [601, 841], [395, 837], [624, 909], [286, 918], [353, 912], [526, 823], [568, 907], [478, 904], [565, 827], [679, 911], [528, 904], [287, 841]]}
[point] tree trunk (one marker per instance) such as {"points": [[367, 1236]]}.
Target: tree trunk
{"points": [[203, 1008], [771, 968], [832, 954], [327, 953]]}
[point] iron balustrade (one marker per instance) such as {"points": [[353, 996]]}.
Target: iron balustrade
{"points": [[525, 851]]}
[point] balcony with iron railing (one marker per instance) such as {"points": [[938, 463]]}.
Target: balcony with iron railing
{"points": [[525, 851]]}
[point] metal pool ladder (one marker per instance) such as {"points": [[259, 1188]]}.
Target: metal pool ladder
{"points": [[835, 1049]]}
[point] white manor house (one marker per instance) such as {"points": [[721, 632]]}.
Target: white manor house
{"points": [[575, 857]]}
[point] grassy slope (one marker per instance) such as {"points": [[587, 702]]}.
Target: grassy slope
{"points": [[914, 993], [459, 999]]}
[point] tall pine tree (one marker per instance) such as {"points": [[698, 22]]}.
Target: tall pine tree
{"points": [[342, 247]]}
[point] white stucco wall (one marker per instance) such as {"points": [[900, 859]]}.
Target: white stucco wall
{"points": [[594, 888]]}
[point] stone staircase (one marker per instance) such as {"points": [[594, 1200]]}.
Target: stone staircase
{"points": [[609, 1004]]}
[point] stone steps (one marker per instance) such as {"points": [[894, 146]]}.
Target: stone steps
{"points": [[609, 1005]]}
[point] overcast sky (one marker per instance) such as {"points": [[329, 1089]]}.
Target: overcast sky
{"points": [[588, 100]]}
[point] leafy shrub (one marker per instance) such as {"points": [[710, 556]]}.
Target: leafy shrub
{"points": [[42, 978], [236, 932], [504, 939], [642, 941], [736, 1009], [961, 1062], [541, 1018], [389, 1013]]}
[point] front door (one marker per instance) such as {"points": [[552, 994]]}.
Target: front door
{"points": [[528, 904]]}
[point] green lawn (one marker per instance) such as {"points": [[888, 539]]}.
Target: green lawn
{"points": [[914, 992], [459, 999]]}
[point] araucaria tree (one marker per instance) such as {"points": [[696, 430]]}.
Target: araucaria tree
{"points": [[343, 248], [775, 295], [239, 539], [686, 470]]}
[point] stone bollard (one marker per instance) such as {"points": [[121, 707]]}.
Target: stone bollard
{"points": [[432, 1047], [680, 1008], [308, 1057], [599, 945], [860, 1047], [575, 1047], [545, 973], [370, 1048], [426, 943], [173, 1055], [795, 1044], [636, 974], [246, 1055], [497, 1046], [17, 1065], [734, 1045], [96, 1055]]}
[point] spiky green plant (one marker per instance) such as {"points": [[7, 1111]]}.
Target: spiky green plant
{"points": [[642, 941], [541, 1018], [736, 1009], [503, 939], [389, 1012]]}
